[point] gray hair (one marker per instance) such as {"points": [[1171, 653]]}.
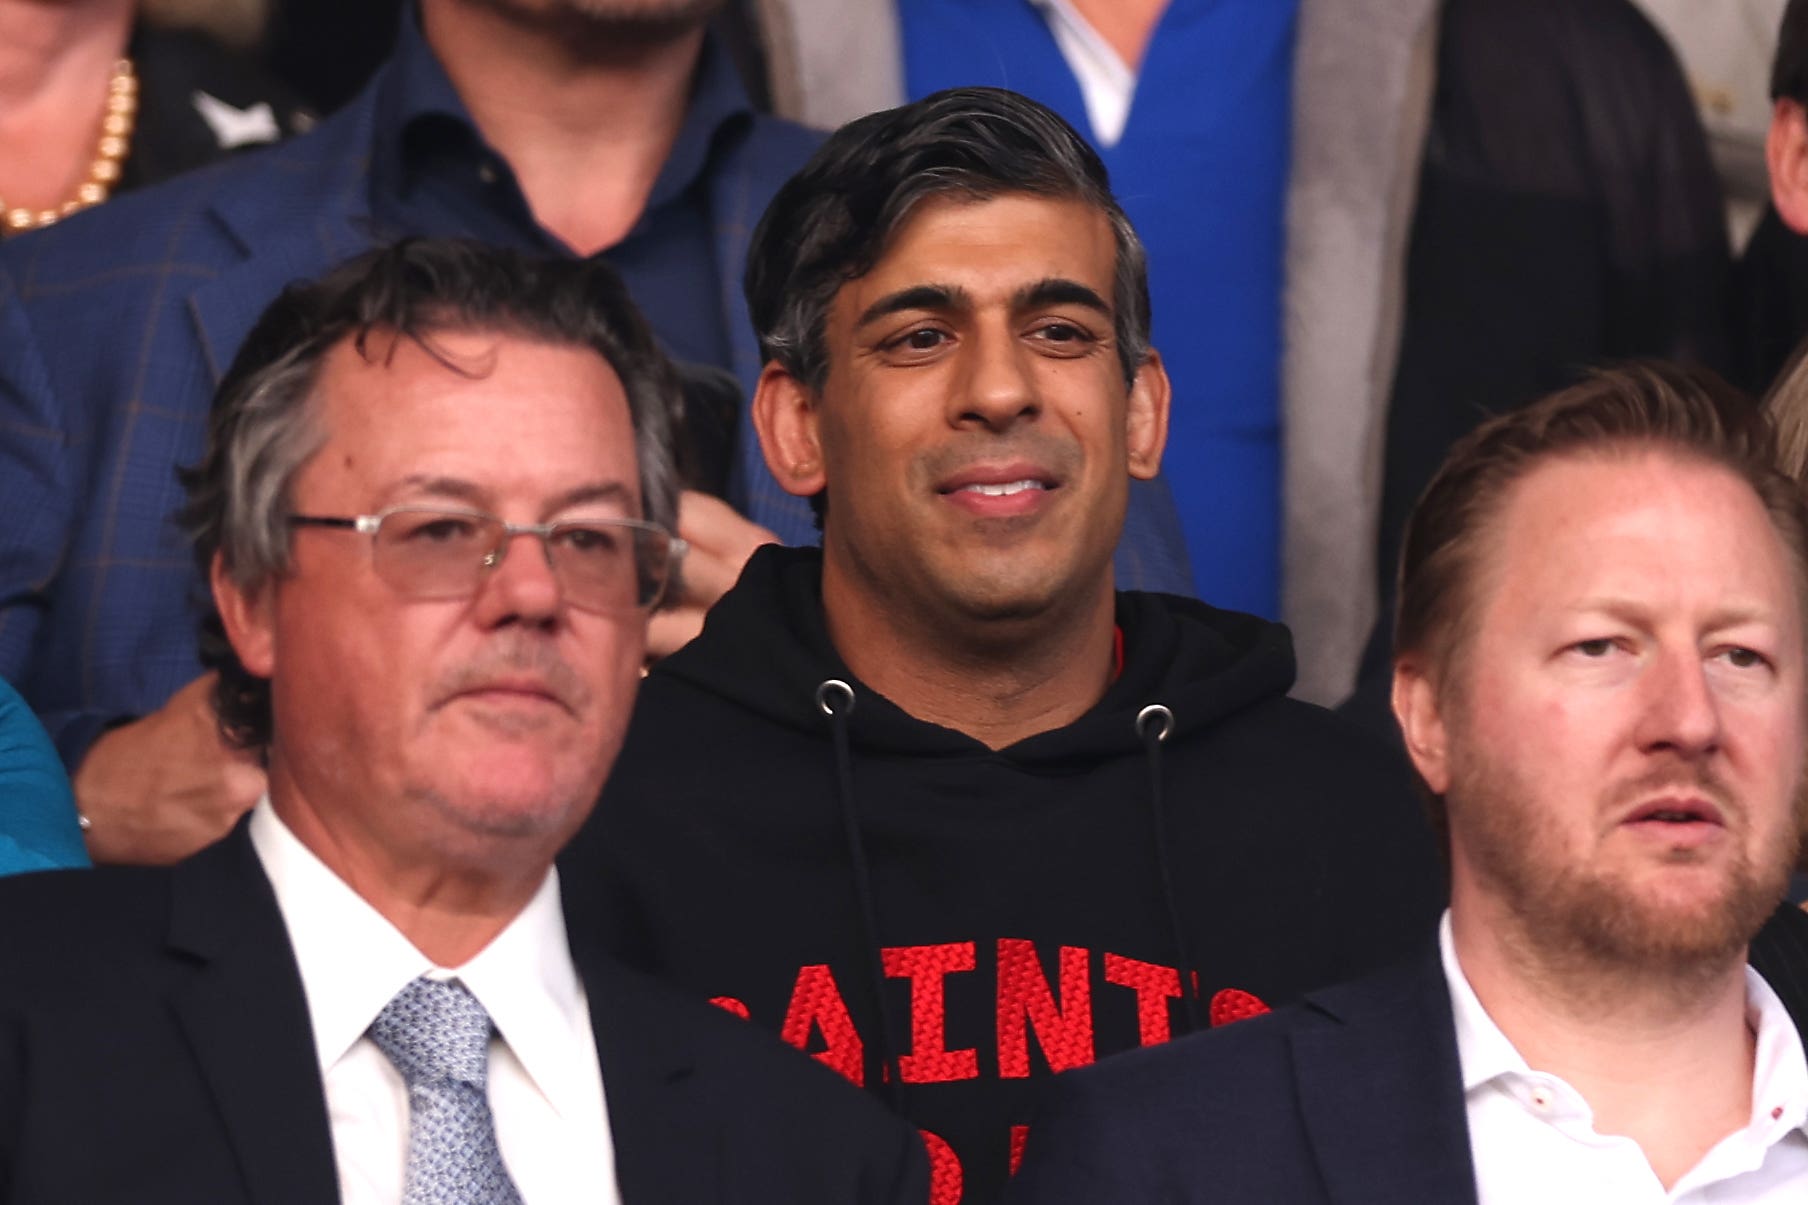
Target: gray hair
{"points": [[265, 426]]}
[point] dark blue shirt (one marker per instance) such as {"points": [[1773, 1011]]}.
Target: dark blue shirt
{"points": [[433, 174]]}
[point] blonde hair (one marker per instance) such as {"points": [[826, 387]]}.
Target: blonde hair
{"points": [[1627, 408], [1787, 405]]}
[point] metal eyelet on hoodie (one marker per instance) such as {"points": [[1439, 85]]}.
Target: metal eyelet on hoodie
{"points": [[832, 687], [1154, 711]]}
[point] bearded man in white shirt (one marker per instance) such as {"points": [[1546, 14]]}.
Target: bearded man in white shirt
{"points": [[1600, 678], [436, 509]]}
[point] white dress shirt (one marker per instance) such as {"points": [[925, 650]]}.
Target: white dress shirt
{"points": [[1107, 83], [1533, 1137], [545, 1087]]}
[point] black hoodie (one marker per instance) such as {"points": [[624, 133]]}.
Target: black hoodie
{"points": [[1018, 911]]}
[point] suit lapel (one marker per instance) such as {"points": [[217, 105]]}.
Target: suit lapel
{"points": [[1780, 954], [750, 483], [668, 1145], [732, 219], [1381, 1091], [306, 211], [245, 1016]]}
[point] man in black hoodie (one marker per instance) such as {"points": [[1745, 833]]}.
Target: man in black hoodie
{"points": [[934, 801]]}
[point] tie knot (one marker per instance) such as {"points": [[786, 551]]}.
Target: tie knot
{"points": [[435, 1030]]}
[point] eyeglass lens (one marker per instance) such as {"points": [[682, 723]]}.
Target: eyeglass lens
{"points": [[600, 564]]}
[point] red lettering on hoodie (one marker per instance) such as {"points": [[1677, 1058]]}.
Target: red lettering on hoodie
{"points": [[1154, 986], [816, 1005], [1019, 1136], [929, 1060], [1234, 1004], [1063, 1031], [944, 1170], [732, 1005]]}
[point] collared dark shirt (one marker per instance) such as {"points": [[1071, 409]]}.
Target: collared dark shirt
{"points": [[434, 174]]}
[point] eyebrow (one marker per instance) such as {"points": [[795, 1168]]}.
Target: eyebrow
{"points": [[916, 297], [1051, 290], [476, 496], [1058, 290], [1729, 616]]}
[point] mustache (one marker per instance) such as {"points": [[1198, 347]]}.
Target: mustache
{"points": [[1680, 777], [514, 655]]}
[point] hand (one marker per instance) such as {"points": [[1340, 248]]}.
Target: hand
{"points": [[158, 789], [721, 541]]}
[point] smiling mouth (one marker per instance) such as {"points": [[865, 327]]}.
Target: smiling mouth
{"points": [[1004, 489]]}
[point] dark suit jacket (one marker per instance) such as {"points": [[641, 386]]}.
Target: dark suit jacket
{"points": [[1353, 1096], [115, 327], [155, 1047]]}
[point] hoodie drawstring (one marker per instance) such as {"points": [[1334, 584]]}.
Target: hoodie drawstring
{"points": [[836, 699], [1153, 724]]}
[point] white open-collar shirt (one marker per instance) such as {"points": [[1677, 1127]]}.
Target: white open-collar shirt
{"points": [[1533, 1138], [545, 1086]]}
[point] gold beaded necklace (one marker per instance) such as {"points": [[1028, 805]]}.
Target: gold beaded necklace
{"points": [[103, 173]]}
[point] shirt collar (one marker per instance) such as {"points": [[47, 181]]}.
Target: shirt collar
{"points": [[1482, 1049], [353, 962], [718, 103], [414, 87], [1779, 1068], [419, 113]]}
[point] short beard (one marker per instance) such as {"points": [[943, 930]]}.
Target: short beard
{"points": [[617, 22], [1594, 937]]}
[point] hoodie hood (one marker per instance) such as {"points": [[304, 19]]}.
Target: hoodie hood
{"points": [[765, 647], [948, 924]]}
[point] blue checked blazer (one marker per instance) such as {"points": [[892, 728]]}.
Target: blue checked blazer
{"points": [[115, 327]]}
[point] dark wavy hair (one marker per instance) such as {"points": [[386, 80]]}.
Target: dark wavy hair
{"points": [[264, 426], [834, 219]]}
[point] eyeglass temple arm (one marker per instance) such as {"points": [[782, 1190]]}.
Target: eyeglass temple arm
{"points": [[361, 523]]}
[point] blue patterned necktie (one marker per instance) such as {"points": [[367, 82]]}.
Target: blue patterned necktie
{"points": [[438, 1037]]}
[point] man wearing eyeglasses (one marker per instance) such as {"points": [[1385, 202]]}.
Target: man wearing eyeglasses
{"points": [[434, 509]]}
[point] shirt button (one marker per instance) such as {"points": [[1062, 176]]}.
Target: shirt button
{"points": [[1541, 1098], [486, 174]]}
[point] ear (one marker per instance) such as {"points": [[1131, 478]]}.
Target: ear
{"points": [[1421, 722], [247, 618], [1786, 153], [1146, 418], [786, 417]]}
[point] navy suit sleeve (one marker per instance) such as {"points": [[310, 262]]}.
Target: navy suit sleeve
{"points": [[1211, 1118], [11, 1094], [1083, 1150], [909, 1175]]}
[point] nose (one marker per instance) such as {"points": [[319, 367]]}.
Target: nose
{"points": [[1681, 713], [519, 588], [999, 385]]}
